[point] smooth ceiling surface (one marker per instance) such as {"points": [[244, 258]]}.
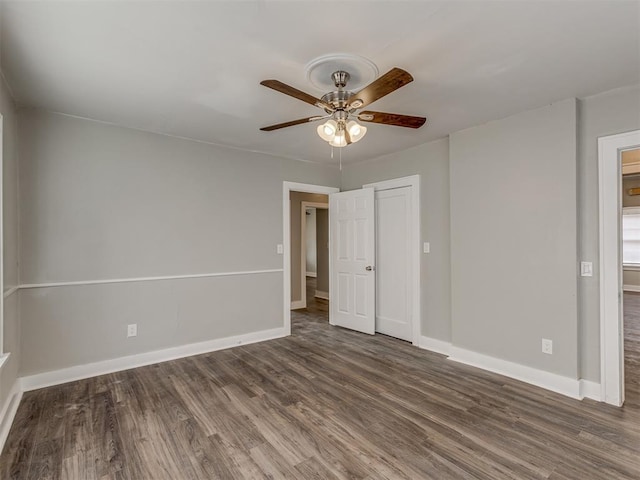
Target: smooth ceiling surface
{"points": [[193, 69]]}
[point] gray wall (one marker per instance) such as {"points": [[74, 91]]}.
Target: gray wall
{"points": [[296, 199], [104, 202], [513, 238], [631, 278], [311, 245], [11, 327], [431, 162], [605, 114], [322, 242]]}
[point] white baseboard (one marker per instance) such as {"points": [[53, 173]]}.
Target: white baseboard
{"points": [[435, 345], [321, 294], [590, 390], [540, 378], [298, 304], [312, 274], [9, 410], [631, 288], [80, 372]]}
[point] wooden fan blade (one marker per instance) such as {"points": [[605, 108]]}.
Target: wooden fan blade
{"points": [[392, 119], [295, 93], [384, 85], [290, 124]]}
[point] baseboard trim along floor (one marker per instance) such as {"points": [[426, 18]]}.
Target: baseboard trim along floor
{"points": [[79, 372], [570, 387]]}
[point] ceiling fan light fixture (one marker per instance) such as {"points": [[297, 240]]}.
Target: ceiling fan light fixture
{"points": [[328, 130], [356, 131], [339, 140]]}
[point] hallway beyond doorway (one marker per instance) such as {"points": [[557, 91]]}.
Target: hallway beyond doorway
{"points": [[317, 308]]}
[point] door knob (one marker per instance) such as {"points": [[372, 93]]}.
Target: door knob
{"points": [[369, 268]]}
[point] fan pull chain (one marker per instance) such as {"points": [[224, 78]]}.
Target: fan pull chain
{"points": [[340, 159], [331, 152]]}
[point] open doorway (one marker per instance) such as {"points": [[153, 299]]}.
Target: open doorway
{"points": [[630, 233], [617, 253], [314, 278], [302, 294]]}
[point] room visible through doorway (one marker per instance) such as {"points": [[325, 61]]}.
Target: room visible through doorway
{"points": [[630, 222], [291, 216]]}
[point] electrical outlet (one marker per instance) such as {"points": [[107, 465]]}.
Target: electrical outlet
{"points": [[426, 247], [132, 330], [547, 346], [279, 249]]}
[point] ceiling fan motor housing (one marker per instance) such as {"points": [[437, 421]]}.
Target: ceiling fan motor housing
{"points": [[338, 99]]}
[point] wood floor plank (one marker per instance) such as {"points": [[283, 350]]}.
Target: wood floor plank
{"points": [[107, 440], [324, 403]]}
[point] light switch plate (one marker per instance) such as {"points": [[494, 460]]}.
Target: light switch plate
{"points": [[279, 249], [586, 269], [426, 247]]}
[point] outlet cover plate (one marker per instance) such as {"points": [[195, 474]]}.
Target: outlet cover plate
{"points": [[132, 330]]}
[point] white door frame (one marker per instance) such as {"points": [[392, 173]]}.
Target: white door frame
{"points": [[611, 315], [287, 188], [303, 243], [412, 181], [2, 356]]}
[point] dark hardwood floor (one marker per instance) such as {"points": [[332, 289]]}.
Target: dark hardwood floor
{"points": [[632, 348], [324, 403], [317, 308]]}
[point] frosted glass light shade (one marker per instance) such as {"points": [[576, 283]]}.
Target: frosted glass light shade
{"points": [[327, 130], [356, 131], [339, 140]]}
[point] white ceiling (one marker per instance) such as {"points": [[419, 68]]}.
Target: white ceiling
{"points": [[193, 69]]}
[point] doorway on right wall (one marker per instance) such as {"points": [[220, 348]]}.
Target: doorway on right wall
{"points": [[630, 234]]}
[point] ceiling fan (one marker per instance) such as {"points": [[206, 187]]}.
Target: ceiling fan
{"points": [[341, 107]]}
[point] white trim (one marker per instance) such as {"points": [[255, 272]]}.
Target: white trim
{"points": [[312, 274], [590, 390], [540, 378], [1, 234], [287, 188], [303, 249], [435, 345], [11, 291], [631, 288], [146, 279], [321, 294], [298, 304], [9, 410], [89, 370], [611, 331], [578, 389], [412, 181], [631, 268]]}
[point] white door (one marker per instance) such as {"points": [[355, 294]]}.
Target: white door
{"points": [[393, 263], [352, 253]]}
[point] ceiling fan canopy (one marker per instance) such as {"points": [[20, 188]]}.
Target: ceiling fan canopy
{"points": [[341, 107]]}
